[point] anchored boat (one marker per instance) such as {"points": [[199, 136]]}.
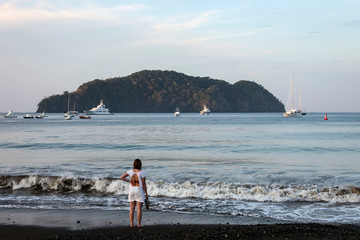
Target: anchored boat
{"points": [[290, 105], [10, 114], [177, 112], [99, 110], [205, 111]]}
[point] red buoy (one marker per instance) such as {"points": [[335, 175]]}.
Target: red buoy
{"points": [[325, 117]]}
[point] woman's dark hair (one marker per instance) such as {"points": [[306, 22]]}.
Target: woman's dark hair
{"points": [[137, 164]]}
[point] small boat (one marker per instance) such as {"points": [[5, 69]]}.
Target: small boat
{"points": [[205, 111], [28, 116], [10, 114], [68, 116], [41, 116], [84, 117], [99, 110], [177, 112]]}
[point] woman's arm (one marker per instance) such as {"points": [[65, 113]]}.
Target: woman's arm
{"points": [[143, 180], [124, 177]]}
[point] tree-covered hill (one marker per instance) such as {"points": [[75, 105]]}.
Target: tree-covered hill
{"points": [[163, 91]]}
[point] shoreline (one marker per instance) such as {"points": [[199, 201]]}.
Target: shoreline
{"points": [[88, 219], [18, 224]]}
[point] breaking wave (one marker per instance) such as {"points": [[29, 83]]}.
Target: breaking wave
{"points": [[215, 191]]}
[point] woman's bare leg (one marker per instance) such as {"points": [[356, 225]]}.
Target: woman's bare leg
{"points": [[139, 213], [132, 212]]}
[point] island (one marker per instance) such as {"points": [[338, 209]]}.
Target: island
{"points": [[156, 91]]}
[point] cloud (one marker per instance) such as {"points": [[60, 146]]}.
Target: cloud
{"points": [[355, 23], [15, 14], [179, 25], [229, 36], [190, 30]]}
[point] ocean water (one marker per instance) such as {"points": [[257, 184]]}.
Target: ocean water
{"points": [[256, 164]]}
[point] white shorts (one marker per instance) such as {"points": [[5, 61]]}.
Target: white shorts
{"points": [[136, 194]]}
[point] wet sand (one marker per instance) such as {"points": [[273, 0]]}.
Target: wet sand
{"points": [[89, 224], [85, 219]]}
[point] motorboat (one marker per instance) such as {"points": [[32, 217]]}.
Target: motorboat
{"points": [[99, 110], [28, 116], [41, 116], [177, 112], [205, 111], [10, 114]]}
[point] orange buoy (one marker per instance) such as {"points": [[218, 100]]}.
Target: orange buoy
{"points": [[326, 117]]}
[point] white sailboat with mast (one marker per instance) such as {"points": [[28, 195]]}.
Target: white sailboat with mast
{"points": [[290, 105], [301, 110], [70, 114]]}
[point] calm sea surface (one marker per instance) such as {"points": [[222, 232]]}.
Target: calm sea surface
{"points": [[260, 165]]}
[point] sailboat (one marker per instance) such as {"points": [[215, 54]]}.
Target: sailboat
{"points": [[70, 114], [301, 110], [290, 105], [10, 114]]}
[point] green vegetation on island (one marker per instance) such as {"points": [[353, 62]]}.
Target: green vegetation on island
{"points": [[163, 91]]}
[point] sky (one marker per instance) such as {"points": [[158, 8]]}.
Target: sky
{"points": [[48, 47]]}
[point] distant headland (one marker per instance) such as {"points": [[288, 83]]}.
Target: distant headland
{"points": [[162, 91]]}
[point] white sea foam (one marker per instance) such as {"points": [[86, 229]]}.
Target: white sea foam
{"points": [[298, 202], [187, 189], [259, 193]]}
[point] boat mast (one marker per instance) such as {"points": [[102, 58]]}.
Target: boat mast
{"points": [[291, 101], [300, 99], [68, 103]]}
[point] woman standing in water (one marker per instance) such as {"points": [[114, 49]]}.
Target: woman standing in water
{"points": [[138, 190]]}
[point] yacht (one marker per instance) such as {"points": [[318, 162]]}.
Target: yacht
{"points": [[205, 111], [99, 110], [10, 114]]}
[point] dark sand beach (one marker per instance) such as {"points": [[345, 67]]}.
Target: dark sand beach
{"points": [[90, 224], [220, 231]]}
